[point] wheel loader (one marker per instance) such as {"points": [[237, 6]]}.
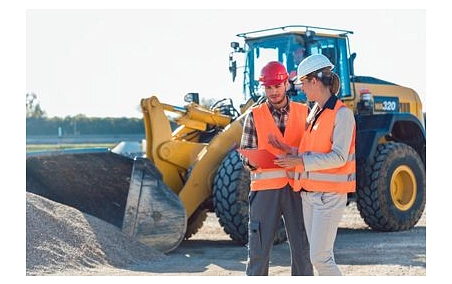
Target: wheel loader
{"points": [[191, 166]]}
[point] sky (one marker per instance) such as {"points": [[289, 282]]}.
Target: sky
{"points": [[102, 62]]}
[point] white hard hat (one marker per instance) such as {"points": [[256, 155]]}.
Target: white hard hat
{"points": [[310, 64]]}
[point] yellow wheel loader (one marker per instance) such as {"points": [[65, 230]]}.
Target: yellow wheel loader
{"points": [[191, 167]]}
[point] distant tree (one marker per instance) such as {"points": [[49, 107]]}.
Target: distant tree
{"points": [[32, 106]]}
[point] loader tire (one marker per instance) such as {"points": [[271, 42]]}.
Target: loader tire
{"points": [[394, 195], [195, 222], [230, 199]]}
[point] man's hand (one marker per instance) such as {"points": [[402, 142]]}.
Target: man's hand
{"points": [[274, 141]]}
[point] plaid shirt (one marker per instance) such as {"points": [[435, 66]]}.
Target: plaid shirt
{"points": [[249, 134]]}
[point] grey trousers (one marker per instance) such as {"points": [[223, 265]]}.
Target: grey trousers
{"points": [[322, 213], [265, 211]]}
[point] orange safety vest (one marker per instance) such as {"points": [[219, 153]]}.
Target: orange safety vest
{"points": [[262, 179], [319, 139]]}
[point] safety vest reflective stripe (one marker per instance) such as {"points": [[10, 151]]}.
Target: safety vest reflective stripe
{"points": [[350, 158], [326, 177], [268, 175]]}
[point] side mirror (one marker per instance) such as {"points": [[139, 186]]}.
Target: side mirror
{"points": [[192, 97], [236, 47], [232, 67], [352, 62]]}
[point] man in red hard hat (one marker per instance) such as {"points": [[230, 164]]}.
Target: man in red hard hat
{"points": [[271, 193]]}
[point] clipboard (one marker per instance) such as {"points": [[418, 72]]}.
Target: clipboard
{"points": [[261, 158]]}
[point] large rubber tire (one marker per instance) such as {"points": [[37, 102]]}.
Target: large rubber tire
{"points": [[230, 199], [394, 195], [195, 222]]}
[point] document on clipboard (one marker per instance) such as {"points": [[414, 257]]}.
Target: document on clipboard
{"points": [[260, 157]]}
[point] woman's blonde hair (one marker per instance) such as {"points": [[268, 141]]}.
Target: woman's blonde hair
{"points": [[328, 78]]}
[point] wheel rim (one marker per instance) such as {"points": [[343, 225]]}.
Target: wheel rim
{"points": [[403, 188]]}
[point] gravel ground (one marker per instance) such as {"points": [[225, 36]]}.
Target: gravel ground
{"points": [[61, 238], [66, 242]]}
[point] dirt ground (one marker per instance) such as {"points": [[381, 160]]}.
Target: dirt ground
{"points": [[359, 251]]}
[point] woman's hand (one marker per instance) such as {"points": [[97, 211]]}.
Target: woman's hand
{"points": [[288, 161]]}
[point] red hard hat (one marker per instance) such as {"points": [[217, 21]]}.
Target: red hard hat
{"points": [[274, 73]]}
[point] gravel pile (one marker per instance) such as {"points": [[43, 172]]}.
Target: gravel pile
{"points": [[61, 239]]}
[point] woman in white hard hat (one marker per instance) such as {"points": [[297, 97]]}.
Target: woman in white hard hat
{"points": [[325, 163]]}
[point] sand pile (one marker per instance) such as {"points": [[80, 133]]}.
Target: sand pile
{"points": [[61, 239]]}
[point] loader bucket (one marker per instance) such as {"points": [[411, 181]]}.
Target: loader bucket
{"points": [[126, 192]]}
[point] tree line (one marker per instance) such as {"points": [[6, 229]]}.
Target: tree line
{"points": [[39, 124], [82, 125]]}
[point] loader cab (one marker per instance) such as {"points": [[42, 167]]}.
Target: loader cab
{"points": [[289, 48]]}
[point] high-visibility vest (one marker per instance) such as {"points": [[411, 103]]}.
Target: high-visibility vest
{"points": [[262, 179], [319, 139]]}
